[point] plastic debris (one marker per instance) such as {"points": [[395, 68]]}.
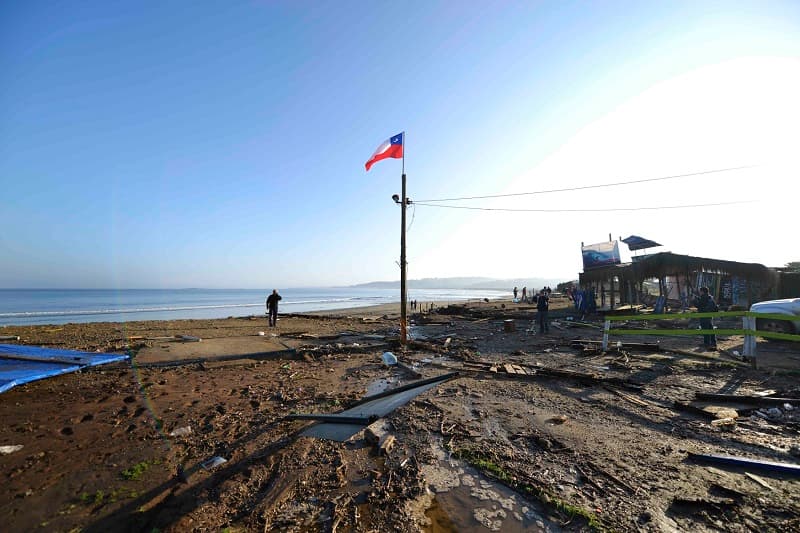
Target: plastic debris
{"points": [[389, 359], [214, 461], [5, 450], [261, 334], [180, 432]]}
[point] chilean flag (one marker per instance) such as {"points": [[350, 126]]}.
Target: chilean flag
{"points": [[391, 148]]}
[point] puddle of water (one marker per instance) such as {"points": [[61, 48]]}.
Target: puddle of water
{"points": [[465, 500], [439, 520]]}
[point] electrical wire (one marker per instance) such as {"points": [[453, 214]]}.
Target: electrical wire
{"points": [[413, 214], [584, 187], [653, 208]]}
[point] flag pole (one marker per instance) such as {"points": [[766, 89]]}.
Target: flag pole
{"points": [[403, 288]]}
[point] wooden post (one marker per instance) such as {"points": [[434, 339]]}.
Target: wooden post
{"points": [[612, 292], [403, 295], [749, 347], [606, 327]]}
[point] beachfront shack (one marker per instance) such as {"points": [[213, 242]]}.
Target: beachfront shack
{"points": [[671, 279]]}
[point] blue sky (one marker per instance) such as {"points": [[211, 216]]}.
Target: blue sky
{"points": [[222, 144]]}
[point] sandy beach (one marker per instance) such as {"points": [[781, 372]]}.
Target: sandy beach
{"points": [[536, 432]]}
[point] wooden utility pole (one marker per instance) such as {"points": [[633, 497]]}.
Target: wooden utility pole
{"points": [[403, 323]]}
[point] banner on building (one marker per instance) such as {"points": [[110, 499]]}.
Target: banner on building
{"points": [[601, 254]]}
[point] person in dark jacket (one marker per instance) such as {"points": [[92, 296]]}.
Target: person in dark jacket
{"points": [[272, 307], [705, 304], [542, 306]]}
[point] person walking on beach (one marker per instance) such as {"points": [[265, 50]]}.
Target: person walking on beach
{"points": [[524, 294], [272, 307], [705, 304], [515, 293], [542, 307]]}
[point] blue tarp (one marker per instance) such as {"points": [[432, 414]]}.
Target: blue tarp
{"points": [[22, 364], [635, 242]]}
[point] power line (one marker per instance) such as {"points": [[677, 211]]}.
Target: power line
{"points": [[413, 215], [676, 176], [653, 208]]}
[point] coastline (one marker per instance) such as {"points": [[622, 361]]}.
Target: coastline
{"points": [[110, 337], [26, 307]]}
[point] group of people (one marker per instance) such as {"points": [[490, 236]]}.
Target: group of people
{"points": [[533, 297], [583, 301]]}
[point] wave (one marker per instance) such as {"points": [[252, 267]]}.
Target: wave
{"points": [[121, 311], [167, 309]]}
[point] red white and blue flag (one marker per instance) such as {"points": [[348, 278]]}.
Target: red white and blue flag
{"points": [[391, 148]]}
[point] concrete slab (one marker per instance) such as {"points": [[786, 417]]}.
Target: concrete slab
{"points": [[175, 351]]}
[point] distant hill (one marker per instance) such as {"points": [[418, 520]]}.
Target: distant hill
{"points": [[465, 283]]}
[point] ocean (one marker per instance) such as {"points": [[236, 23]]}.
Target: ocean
{"points": [[62, 306]]}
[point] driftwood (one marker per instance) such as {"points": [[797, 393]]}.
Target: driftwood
{"points": [[421, 345], [644, 346], [534, 372]]}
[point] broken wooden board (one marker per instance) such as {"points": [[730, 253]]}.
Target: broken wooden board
{"points": [[643, 346], [628, 397]]}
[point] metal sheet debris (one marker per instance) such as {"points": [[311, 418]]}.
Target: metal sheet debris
{"points": [[371, 408]]}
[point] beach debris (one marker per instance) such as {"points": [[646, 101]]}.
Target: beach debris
{"points": [[509, 326], [756, 399], [772, 466], [726, 424], [213, 462], [378, 434], [188, 338], [5, 450], [630, 346], [261, 334], [759, 480], [181, 432], [389, 359], [9, 337], [628, 397], [371, 408], [33, 363], [721, 412]]}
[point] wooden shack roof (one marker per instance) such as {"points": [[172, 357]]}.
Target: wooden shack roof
{"points": [[669, 264]]}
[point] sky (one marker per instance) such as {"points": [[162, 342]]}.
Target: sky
{"points": [[222, 144]]}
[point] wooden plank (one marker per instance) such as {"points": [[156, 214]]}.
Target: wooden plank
{"points": [[509, 369]]}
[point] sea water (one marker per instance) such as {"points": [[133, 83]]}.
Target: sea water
{"points": [[61, 306]]}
